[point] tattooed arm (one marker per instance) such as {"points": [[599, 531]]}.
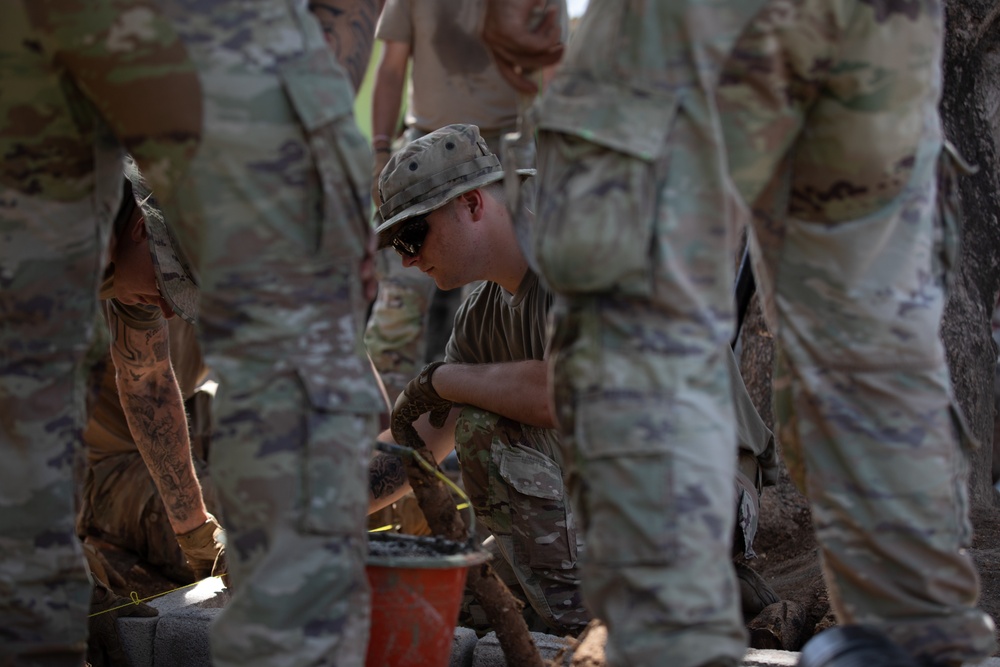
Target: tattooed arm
{"points": [[154, 409], [349, 28], [387, 478]]}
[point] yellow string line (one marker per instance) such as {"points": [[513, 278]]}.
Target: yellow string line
{"points": [[135, 598], [382, 529]]}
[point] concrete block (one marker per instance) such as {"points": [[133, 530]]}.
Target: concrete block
{"points": [[463, 647], [182, 638], [489, 654], [138, 635]]}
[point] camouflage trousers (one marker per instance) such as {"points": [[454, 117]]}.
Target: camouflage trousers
{"points": [[513, 476], [273, 215], [51, 258], [862, 399], [396, 333], [867, 420]]}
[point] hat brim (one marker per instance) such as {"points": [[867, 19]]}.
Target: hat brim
{"points": [[388, 229]]}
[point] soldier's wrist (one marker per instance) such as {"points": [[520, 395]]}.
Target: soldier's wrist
{"points": [[426, 375]]}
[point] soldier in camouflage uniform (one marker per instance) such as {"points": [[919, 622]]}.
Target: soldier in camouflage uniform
{"points": [[273, 214], [70, 77], [141, 491], [830, 116], [445, 214], [830, 119]]}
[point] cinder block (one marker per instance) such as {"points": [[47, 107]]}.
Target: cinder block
{"points": [[489, 654], [138, 635], [463, 647], [182, 638]]}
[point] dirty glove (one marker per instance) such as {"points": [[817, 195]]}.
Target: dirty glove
{"points": [[104, 646], [418, 397], [205, 549]]}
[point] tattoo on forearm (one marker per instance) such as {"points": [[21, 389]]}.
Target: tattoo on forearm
{"points": [[154, 409], [386, 475]]}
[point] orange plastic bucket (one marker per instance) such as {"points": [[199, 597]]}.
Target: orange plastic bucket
{"points": [[417, 586]]}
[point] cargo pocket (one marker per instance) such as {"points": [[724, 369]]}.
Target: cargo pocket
{"points": [[321, 95], [331, 359], [600, 156], [541, 523]]}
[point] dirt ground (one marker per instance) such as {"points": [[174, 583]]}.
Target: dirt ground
{"points": [[787, 557]]}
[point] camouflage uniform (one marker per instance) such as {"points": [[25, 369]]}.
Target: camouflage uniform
{"points": [[273, 215], [70, 75], [633, 235], [830, 117]]}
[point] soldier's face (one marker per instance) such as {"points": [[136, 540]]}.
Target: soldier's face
{"points": [[446, 248], [135, 277]]}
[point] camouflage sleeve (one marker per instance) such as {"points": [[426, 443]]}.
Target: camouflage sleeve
{"points": [[126, 59]]}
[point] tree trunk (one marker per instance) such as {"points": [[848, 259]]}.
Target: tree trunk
{"points": [[970, 114]]}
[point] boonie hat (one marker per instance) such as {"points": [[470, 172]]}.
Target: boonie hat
{"points": [[430, 171], [173, 274]]}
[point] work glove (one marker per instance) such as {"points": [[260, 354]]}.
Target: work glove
{"points": [[104, 646], [205, 549], [417, 398]]}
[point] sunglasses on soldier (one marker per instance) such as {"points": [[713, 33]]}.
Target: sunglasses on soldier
{"points": [[408, 240]]}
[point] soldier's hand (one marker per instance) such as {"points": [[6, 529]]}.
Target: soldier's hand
{"points": [[104, 646], [204, 548], [418, 397], [523, 36]]}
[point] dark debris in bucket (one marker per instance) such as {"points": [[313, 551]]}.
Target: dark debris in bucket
{"points": [[411, 546]]}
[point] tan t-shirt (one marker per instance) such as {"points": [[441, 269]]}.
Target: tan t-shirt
{"points": [[495, 326], [107, 431], [452, 77]]}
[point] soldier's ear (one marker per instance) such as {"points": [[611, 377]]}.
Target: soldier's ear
{"points": [[473, 201]]}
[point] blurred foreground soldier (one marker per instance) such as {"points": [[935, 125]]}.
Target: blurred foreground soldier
{"points": [[141, 491], [273, 217], [834, 138], [446, 214], [634, 235], [70, 78]]}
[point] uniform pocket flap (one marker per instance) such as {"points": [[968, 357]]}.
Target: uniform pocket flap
{"points": [[318, 88], [624, 119], [531, 473]]}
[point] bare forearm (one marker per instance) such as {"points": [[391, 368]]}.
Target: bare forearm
{"points": [[154, 409], [387, 475], [156, 418], [517, 390], [387, 91]]}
